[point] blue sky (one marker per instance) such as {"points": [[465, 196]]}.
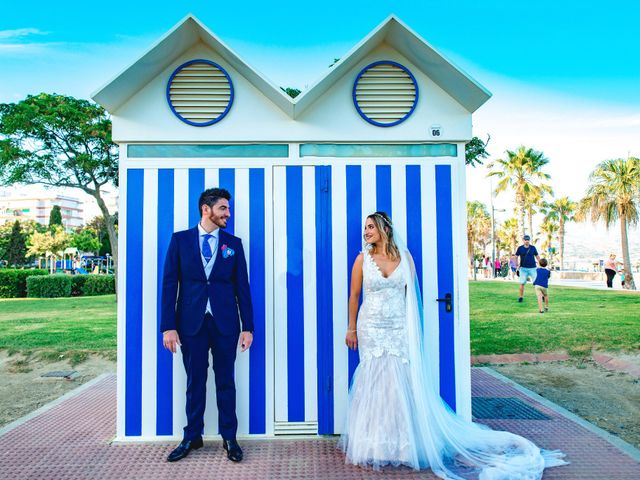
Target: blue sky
{"points": [[564, 75], [574, 47]]}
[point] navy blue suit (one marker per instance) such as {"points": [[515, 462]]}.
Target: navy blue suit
{"points": [[185, 292]]}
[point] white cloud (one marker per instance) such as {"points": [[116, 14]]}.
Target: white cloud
{"points": [[19, 33]]}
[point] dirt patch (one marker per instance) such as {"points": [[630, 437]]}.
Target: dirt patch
{"points": [[24, 390], [610, 400]]}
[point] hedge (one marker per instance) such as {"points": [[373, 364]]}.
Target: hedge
{"points": [[50, 286], [61, 285], [77, 284], [99, 284], [13, 282]]}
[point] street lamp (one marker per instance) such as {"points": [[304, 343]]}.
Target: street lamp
{"points": [[493, 234], [493, 229]]}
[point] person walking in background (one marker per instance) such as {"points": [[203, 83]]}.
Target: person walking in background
{"points": [[622, 277], [513, 266], [527, 256], [541, 285], [610, 269], [496, 268], [487, 266]]}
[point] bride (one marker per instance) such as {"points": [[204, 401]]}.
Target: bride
{"points": [[395, 415]]}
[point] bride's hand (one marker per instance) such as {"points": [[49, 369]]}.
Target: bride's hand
{"points": [[352, 340]]}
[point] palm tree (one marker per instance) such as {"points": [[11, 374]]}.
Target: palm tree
{"points": [[561, 210], [509, 234], [534, 199], [548, 230], [522, 172], [614, 195], [478, 227]]}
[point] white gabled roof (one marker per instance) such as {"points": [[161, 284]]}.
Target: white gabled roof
{"points": [[174, 43], [460, 86]]}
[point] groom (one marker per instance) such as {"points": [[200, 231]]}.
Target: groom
{"points": [[204, 286]]}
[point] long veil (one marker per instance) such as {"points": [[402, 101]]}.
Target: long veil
{"points": [[455, 448]]}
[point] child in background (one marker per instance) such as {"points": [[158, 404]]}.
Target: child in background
{"points": [[622, 277], [541, 284]]}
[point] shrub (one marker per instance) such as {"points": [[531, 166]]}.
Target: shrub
{"points": [[49, 286], [77, 284], [99, 285], [13, 282]]}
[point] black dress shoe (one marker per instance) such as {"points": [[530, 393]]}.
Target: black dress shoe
{"points": [[184, 448], [234, 452]]}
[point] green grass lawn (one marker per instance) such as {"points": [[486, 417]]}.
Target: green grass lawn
{"points": [[58, 324], [578, 320]]}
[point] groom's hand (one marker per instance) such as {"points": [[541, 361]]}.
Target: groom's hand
{"points": [[246, 339], [170, 340]]}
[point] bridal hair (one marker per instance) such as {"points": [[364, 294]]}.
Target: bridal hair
{"points": [[384, 225]]}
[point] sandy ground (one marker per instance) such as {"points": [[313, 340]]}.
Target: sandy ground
{"points": [[24, 390], [607, 399]]}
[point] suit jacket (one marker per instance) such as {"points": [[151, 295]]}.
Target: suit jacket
{"points": [[185, 287]]}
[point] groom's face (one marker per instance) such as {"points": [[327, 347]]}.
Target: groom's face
{"points": [[220, 212]]}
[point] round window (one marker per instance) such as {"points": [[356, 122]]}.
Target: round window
{"points": [[200, 92], [385, 93]]}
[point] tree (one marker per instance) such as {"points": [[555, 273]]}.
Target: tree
{"points": [[509, 234], [55, 217], [475, 151], [548, 230], [17, 246], [562, 210], [26, 227], [292, 92], [614, 195], [85, 240], [49, 244], [478, 228], [63, 142], [534, 199], [522, 172], [99, 226]]}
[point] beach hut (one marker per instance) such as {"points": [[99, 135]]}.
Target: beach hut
{"points": [[384, 129]]}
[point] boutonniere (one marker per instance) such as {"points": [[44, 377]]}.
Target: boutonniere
{"points": [[226, 251]]}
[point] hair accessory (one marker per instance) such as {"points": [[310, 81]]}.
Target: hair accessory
{"points": [[383, 219]]}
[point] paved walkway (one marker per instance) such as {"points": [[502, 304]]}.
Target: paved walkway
{"points": [[72, 440]]}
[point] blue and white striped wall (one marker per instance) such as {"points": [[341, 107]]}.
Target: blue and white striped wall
{"points": [[301, 225]]}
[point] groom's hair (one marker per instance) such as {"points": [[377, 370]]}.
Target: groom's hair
{"points": [[211, 196]]}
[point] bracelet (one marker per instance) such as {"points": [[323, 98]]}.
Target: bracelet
{"points": [[350, 331]]}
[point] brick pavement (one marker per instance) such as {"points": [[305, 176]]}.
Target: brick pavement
{"points": [[73, 441]]}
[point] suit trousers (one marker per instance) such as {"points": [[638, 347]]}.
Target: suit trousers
{"points": [[195, 356]]}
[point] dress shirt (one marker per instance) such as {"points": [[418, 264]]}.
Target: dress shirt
{"points": [[213, 243]]}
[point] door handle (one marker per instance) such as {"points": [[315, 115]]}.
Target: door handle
{"points": [[448, 302]]}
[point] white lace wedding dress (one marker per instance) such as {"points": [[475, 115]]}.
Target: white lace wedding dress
{"points": [[395, 416]]}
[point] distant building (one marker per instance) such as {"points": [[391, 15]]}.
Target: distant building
{"points": [[91, 209], [38, 208]]}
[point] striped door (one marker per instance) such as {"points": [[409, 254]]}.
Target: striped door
{"points": [[319, 214], [152, 382]]}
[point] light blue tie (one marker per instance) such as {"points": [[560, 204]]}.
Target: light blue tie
{"points": [[206, 248]]}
